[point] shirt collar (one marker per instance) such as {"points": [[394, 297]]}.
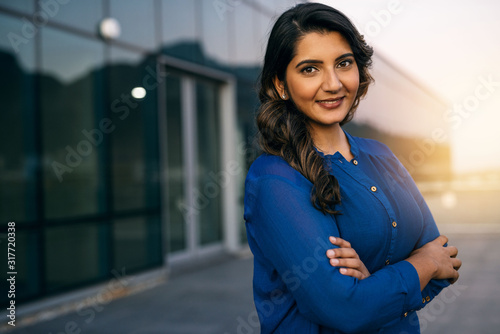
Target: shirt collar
{"points": [[352, 143]]}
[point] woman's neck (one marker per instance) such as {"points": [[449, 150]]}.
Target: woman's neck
{"points": [[330, 140]]}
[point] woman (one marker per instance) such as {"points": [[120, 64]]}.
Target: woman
{"points": [[342, 239]]}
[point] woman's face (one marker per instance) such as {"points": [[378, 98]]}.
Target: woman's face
{"points": [[322, 79]]}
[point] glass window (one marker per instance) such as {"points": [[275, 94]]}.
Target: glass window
{"points": [[79, 14], [175, 168], [214, 34], [245, 46], [134, 140], [21, 5], [71, 134], [13, 41], [74, 255], [247, 103], [137, 243], [180, 30], [281, 5], [17, 141], [136, 20], [179, 21], [261, 34], [210, 175]]}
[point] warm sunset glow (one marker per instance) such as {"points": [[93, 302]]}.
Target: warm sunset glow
{"points": [[455, 60]]}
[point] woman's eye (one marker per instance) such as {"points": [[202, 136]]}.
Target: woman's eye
{"points": [[345, 63], [308, 70]]}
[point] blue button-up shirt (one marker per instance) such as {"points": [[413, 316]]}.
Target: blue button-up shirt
{"points": [[383, 216]]}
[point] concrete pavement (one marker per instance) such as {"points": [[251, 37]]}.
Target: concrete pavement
{"points": [[219, 300]]}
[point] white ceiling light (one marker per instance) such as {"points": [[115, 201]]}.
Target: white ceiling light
{"points": [[109, 28], [138, 93]]}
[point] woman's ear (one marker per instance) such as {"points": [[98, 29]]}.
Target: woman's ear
{"points": [[280, 87]]}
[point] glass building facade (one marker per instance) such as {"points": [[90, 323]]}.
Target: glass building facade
{"points": [[126, 131], [123, 141]]}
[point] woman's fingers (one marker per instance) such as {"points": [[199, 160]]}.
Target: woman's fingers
{"points": [[454, 278], [442, 239], [348, 263], [353, 273], [342, 252], [346, 257], [452, 250], [340, 242], [457, 263]]}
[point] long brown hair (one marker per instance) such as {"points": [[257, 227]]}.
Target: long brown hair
{"points": [[283, 128]]}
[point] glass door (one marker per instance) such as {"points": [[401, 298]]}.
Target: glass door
{"points": [[174, 169], [192, 165], [208, 170]]}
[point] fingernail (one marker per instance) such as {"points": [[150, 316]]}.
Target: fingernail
{"points": [[333, 239], [334, 262], [343, 270], [330, 253]]}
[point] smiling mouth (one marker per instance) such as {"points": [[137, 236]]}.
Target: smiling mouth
{"points": [[331, 104], [330, 101]]}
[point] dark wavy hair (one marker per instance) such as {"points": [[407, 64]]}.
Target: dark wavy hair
{"points": [[283, 128]]}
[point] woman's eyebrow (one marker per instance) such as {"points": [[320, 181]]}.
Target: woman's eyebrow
{"points": [[345, 55], [315, 61], [309, 61]]}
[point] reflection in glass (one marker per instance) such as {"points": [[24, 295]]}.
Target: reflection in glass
{"points": [[17, 141], [136, 243], [211, 181], [181, 29], [79, 14], [214, 33], [175, 167], [73, 254], [134, 139], [68, 100], [244, 48], [136, 21], [263, 27], [179, 21], [21, 5]]}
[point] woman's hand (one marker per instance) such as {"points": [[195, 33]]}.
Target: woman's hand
{"points": [[346, 258], [435, 261], [444, 258]]}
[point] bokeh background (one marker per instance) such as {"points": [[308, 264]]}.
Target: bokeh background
{"points": [[127, 128]]}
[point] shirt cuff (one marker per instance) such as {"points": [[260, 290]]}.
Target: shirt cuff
{"points": [[410, 279]]}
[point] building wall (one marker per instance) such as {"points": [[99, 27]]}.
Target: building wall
{"points": [[97, 180]]}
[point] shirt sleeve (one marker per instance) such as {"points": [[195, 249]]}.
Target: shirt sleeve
{"points": [[430, 232], [294, 237]]}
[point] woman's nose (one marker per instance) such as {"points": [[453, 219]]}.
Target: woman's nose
{"points": [[331, 82]]}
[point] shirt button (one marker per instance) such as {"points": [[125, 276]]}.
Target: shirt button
{"points": [[423, 300], [406, 314], [355, 162], [373, 188], [428, 298], [394, 224], [387, 262]]}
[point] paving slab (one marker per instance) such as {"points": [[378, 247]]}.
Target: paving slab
{"points": [[218, 299]]}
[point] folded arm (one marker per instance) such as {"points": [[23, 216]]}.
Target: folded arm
{"points": [[292, 233]]}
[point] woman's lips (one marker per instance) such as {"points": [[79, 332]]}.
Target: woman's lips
{"points": [[331, 103]]}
